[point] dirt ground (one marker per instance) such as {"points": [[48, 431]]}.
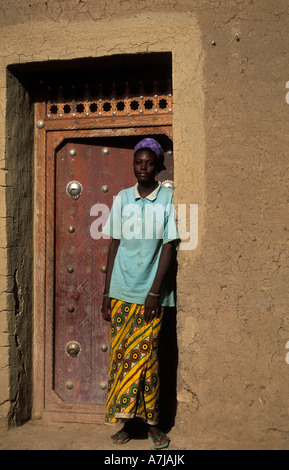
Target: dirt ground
{"points": [[39, 435]]}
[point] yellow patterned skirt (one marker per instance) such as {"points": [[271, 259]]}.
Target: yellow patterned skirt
{"points": [[133, 384]]}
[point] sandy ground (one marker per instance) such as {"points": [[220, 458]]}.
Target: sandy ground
{"points": [[39, 435]]}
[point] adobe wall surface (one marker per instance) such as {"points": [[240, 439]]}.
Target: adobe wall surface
{"points": [[234, 368], [230, 142]]}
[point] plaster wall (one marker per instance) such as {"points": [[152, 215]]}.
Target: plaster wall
{"points": [[230, 145]]}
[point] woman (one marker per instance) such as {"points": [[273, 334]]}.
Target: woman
{"points": [[144, 237]]}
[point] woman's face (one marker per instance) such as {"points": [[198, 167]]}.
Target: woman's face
{"points": [[145, 167]]}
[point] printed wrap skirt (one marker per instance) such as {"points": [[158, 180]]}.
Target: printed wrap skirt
{"points": [[133, 383]]}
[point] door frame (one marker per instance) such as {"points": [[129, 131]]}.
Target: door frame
{"points": [[49, 135]]}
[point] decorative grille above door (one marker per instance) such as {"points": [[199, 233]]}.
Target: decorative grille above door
{"points": [[148, 97]]}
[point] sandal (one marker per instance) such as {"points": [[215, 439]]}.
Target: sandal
{"points": [[121, 435], [155, 439]]}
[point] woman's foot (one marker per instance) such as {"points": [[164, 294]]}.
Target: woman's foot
{"points": [[122, 436], [158, 438]]}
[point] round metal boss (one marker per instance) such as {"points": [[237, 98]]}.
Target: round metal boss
{"points": [[69, 385], [72, 348], [40, 124], [74, 189], [72, 152]]}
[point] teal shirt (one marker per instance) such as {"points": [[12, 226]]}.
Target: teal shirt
{"points": [[143, 226]]}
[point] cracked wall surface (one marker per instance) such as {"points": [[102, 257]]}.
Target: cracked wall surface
{"points": [[230, 62]]}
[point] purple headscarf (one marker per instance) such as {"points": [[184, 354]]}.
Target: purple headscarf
{"points": [[155, 147]]}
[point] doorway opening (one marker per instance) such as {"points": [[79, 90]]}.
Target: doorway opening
{"points": [[89, 114]]}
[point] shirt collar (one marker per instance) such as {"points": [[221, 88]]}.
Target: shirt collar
{"points": [[151, 197]]}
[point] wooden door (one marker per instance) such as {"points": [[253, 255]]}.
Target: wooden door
{"points": [[98, 170], [88, 172], [86, 145], [85, 135]]}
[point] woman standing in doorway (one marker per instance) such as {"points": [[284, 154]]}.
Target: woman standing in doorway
{"points": [[144, 238]]}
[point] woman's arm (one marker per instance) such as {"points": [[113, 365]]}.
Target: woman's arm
{"points": [[152, 303], [105, 309]]}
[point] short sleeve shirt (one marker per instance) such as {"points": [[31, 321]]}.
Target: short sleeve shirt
{"points": [[143, 226]]}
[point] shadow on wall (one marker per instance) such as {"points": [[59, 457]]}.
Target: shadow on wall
{"points": [[168, 361], [19, 203]]}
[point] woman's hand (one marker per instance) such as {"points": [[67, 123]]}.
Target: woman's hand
{"points": [[105, 309], [152, 305], [152, 308]]}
